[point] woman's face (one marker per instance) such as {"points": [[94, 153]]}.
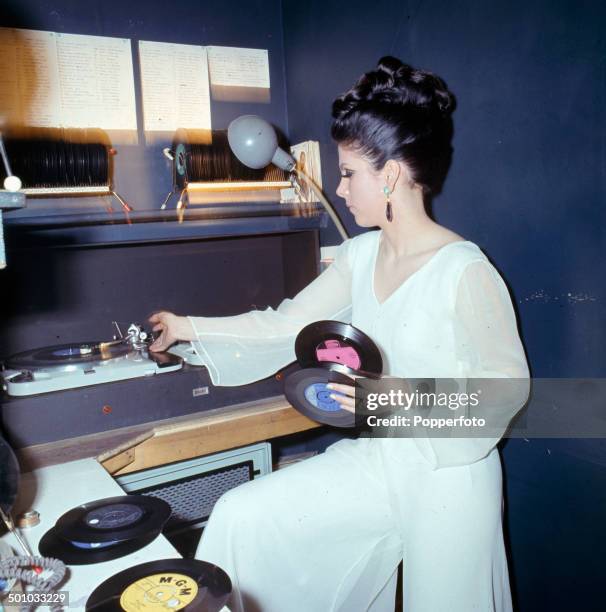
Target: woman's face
{"points": [[361, 187]]}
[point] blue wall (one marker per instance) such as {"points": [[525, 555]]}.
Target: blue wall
{"points": [[527, 184]]}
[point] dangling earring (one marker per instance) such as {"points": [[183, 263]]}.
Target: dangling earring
{"points": [[388, 209]]}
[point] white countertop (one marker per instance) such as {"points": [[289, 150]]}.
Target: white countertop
{"points": [[54, 490]]}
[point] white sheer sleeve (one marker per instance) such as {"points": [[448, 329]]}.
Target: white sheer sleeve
{"points": [[248, 347], [489, 346], [487, 333]]}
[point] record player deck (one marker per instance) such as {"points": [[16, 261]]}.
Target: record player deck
{"points": [[67, 366]]}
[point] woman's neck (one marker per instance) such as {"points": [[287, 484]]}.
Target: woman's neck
{"points": [[411, 230]]}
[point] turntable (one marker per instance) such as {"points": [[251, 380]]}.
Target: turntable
{"points": [[67, 366]]}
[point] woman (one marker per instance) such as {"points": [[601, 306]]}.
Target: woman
{"points": [[328, 533]]}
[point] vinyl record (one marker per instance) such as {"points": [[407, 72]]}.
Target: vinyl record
{"points": [[169, 584], [65, 354], [336, 342], [53, 545], [113, 519], [306, 391]]}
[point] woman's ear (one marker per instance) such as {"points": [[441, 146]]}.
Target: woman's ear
{"points": [[392, 172]]}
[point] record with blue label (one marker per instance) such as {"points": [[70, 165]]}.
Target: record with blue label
{"points": [[114, 519], [86, 553], [67, 355], [105, 529], [306, 391], [330, 351]]}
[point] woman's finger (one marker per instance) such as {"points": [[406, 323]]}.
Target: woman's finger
{"points": [[345, 403], [348, 390]]}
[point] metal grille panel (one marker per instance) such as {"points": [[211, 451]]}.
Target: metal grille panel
{"points": [[192, 487], [192, 499]]}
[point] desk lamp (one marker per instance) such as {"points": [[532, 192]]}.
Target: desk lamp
{"points": [[254, 142]]}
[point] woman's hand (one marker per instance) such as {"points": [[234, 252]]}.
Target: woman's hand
{"points": [[172, 328], [344, 395]]}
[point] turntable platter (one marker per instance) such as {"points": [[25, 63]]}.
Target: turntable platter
{"points": [[81, 364], [66, 354]]}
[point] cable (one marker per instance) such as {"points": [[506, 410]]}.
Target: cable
{"points": [[300, 174], [12, 568]]}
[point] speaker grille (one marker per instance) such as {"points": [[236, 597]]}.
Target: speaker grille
{"points": [[192, 498]]}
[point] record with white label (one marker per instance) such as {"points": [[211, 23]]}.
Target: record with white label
{"points": [[114, 519]]}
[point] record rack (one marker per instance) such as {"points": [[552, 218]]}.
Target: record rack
{"points": [[61, 162]]}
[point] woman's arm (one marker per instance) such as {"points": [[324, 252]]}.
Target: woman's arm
{"points": [[241, 349], [489, 348], [487, 333]]}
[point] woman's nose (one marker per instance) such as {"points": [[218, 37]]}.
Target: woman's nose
{"points": [[342, 188]]}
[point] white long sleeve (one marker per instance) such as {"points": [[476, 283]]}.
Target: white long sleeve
{"points": [[248, 347], [487, 334], [488, 344]]}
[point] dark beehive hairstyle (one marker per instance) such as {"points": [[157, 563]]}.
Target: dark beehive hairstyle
{"points": [[398, 112]]}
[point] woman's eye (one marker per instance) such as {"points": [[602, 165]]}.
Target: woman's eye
{"points": [[346, 173]]}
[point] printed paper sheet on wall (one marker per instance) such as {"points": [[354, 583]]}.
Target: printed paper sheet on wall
{"points": [[66, 80], [238, 74], [175, 87]]}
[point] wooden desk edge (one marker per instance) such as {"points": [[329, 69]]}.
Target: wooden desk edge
{"points": [[130, 449]]}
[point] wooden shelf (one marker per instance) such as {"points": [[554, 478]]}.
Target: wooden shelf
{"points": [[139, 447]]}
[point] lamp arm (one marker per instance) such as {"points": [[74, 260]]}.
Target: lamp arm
{"points": [[325, 203]]}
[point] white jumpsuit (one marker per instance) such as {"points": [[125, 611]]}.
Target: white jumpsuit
{"points": [[327, 534]]}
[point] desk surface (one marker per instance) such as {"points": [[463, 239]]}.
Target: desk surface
{"points": [[54, 490]]}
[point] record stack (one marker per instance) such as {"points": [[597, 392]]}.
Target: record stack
{"points": [[105, 529], [54, 159], [330, 352]]}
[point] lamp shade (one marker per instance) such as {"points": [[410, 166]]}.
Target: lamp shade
{"points": [[255, 143]]}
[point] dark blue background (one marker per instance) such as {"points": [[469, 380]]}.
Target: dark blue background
{"points": [[527, 184]]}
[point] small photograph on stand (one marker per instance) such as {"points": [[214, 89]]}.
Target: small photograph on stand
{"points": [[307, 156]]}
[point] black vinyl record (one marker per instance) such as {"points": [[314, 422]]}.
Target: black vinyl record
{"points": [[113, 519], [306, 391], [330, 351], [336, 342], [53, 545], [169, 584], [66, 354]]}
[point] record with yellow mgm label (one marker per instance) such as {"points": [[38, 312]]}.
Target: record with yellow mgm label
{"points": [[170, 584], [159, 592]]}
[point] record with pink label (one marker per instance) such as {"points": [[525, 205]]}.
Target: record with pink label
{"points": [[330, 351]]}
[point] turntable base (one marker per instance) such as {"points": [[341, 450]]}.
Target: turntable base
{"points": [[54, 490]]}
